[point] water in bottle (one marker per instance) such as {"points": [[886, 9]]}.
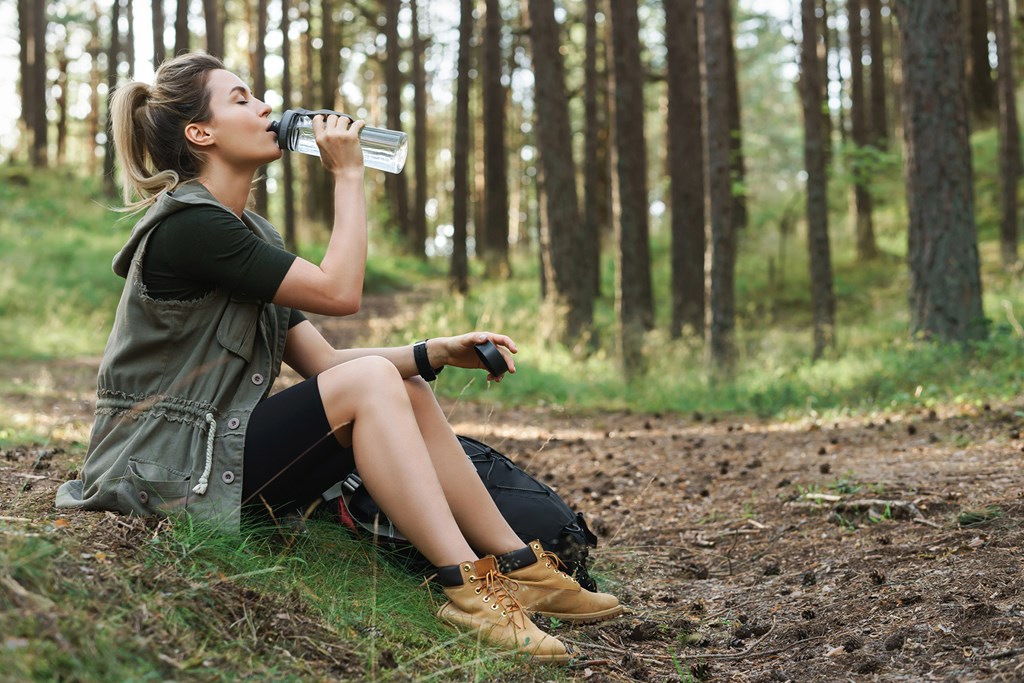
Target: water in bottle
{"points": [[383, 149]]}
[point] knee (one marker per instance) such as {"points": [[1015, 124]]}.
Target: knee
{"points": [[369, 376]]}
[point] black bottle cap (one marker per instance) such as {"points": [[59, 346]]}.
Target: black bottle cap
{"points": [[492, 359]]}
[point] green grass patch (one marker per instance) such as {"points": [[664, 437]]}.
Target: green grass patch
{"points": [[177, 601]]}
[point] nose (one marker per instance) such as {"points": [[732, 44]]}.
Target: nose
{"points": [[265, 109]]}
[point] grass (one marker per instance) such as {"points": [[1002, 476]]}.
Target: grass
{"points": [[178, 602]]}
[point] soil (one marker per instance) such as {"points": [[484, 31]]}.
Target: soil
{"points": [[882, 547]]}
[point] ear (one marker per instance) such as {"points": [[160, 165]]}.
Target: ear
{"points": [[199, 134]]}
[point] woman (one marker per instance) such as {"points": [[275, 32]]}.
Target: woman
{"points": [[210, 309]]}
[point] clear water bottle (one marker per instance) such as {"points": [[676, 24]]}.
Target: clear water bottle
{"points": [[383, 149]]}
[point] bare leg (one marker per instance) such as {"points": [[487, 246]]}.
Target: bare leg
{"points": [[391, 455], [472, 506]]}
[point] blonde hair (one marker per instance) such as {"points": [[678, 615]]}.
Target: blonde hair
{"points": [[148, 125]]}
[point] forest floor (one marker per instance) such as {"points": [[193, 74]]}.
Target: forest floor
{"points": [[883, 547]]}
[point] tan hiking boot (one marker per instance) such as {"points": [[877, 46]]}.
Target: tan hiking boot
{"points": [[479, 600], [541, 586]]}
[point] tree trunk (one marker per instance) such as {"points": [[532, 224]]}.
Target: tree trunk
{"points": [[159, 22], [984, 104], [40, 125], [62, 103], [720, 261], [494, 245], [288, 175], [739, 196], [633, 298], [567, 292], [419, 140], [879, 135], [396, 183], [686, 167], [214, 36], [823, 303], [1009, 136], [823, 55], [181, 32], [330, 74], [94, 48], [861, 210], [113, 58], [460, 195], [259, 86], [835, 39], [26, 56], [129, 45], [590, 259], [945, 284]]}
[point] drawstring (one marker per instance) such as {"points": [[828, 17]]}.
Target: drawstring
{"points": [[200, 488]]}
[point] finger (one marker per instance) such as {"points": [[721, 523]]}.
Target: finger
{"points": [[356, 125]]}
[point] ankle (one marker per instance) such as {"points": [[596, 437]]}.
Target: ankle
{"points": [[516, 559]]}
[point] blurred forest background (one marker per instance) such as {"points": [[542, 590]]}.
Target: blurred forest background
{"points": [[741, 204]]}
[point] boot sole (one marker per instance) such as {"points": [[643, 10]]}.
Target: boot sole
{"points": [[589, 618]]}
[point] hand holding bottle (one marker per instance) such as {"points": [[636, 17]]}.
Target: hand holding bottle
{"points": [[337, 138], [382, 149]]}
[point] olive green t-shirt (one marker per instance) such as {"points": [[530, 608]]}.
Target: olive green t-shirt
{"points": [[204, 247]]}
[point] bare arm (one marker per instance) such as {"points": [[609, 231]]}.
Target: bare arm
{"points": [[308, 353], [335, 287]]}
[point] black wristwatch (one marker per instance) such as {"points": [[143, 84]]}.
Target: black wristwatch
{"points": [[419, 353]]}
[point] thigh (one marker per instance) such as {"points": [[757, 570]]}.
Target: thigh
{"points": [[291, 454]]}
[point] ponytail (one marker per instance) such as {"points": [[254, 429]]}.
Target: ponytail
{"points": [[148, 127]]}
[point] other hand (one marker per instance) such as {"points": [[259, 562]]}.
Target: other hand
{"points": [[338, 140], [460, 351]]}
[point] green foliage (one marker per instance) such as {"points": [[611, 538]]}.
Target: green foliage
{"points": [[186, 603]]}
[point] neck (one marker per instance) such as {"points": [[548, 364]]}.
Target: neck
{"points": [[228, 186]]}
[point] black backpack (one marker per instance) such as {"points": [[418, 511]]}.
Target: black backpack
{"points": [[531, 508]]}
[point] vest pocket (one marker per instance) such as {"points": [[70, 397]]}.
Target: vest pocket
{"points": [[237, 329], [152, 488]]}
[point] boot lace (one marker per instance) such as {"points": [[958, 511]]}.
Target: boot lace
{"points": [[553, 561], [497, 591]]}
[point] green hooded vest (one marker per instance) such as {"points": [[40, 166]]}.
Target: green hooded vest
{"points": [[177, 384]]}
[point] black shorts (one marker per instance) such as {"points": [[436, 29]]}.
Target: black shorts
{"points": [[291, 455]]}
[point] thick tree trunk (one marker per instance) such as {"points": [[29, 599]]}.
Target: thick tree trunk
{"points": [[129, 44], [633, 297], [720, 260], [494, 233], [419, 139], [686, 166], [159, 23], [861, 205], [823, 303], [288, 174], [1009, 136], [181, 32], [40, 125], [823, 55], [214, 34], [945, 283], [983, 97], [737, 162], [879, 136], [321, 184], [460, 196], [567, 292]]}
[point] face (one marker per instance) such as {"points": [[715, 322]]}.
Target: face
{"points": [[237, 131]]}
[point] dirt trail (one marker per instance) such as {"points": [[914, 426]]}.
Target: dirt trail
{"points": [[746, 550]]}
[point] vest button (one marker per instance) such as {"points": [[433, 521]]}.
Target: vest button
{"points": [[227, 477], [143, 497], [233, 423], [257, 379]]}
